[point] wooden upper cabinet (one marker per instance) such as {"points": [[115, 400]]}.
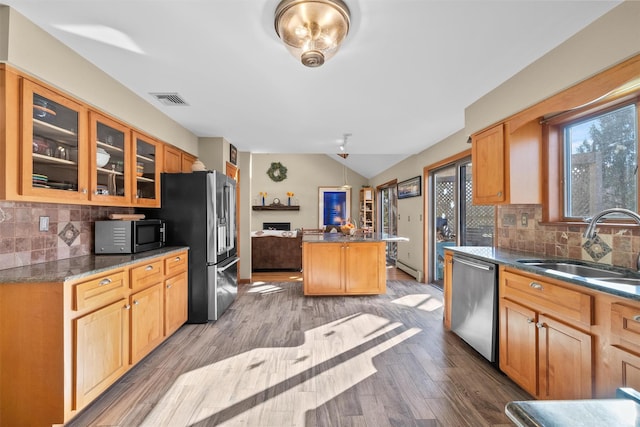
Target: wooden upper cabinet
{"points": [[507, 165], [488, 157], [54, 149], [176, 160], [172, 159], [187, 161]]}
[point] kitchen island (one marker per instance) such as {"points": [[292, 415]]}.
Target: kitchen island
{"points": [[337, 264]]}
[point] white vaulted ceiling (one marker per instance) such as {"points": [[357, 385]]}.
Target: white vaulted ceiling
{"points": [[399, 83]]}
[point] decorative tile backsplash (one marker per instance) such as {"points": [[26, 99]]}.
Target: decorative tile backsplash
{"points": [[70, 231], [612, 245]]}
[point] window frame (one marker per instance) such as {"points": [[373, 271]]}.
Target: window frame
{"points": [[554, 155]]}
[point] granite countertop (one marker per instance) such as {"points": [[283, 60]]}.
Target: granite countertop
{"points": [[358, 237], [510, 258], [567, 413], [78, 267]]}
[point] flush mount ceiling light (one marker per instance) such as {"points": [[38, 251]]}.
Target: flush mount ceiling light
{"points": [[312, 30]]}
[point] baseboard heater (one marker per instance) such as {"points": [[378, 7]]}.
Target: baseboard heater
{"points": [[409, 270]]}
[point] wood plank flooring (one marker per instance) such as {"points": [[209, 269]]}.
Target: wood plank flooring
{"points": [[277, 358]]}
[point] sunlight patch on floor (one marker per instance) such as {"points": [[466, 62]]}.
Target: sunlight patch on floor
{"points": [[263, 288], [423, 302], [276, 386]]}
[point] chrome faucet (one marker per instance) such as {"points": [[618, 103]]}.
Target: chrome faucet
{"points": [[590, 232]]}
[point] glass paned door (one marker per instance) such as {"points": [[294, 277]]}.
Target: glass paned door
{"points": [[478, 221], [54, 151], [455, 220], [146, 172], [111, 176], [388, 197], [445, 215]]}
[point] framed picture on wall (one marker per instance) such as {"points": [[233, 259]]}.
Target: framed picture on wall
{"points": [[410, 188], [233, 154], [334, 206]]}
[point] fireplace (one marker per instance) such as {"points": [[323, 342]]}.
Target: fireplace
{"points": [[284, 226]]}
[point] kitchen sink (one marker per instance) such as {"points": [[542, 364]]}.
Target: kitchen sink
{"points": [[577, 268]]}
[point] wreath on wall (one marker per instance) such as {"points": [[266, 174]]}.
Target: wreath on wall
{"points": [[277, 172]]}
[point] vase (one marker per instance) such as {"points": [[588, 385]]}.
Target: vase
{"points": [[263, 201], [288, 201]]}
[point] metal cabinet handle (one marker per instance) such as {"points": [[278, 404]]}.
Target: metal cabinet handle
{"points": [[84, 191], [536, 285], [499, 194], [177, 258], [104, 282], [636, 317], [539, 325], [149, 268], [127, 307], [136, 302], [169, 286], [529, 320]]}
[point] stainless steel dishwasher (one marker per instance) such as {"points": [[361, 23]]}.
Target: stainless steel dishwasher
{"points": [[474, 304]]}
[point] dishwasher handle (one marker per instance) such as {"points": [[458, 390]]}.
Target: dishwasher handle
{"points": [[473, 264]]}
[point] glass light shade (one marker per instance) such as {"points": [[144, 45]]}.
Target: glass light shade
{"points": [[312, 30]]}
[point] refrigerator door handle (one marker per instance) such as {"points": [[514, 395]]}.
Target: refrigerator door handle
{"points": [[229, 265]]}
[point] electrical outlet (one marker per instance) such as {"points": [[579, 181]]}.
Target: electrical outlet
{"points": [[524, 219], [44, 223]]}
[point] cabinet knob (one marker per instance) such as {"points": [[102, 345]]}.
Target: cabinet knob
{"points": [[539, 325], [636, 317], [127, 307], [529, 320], [535, 285], [149, 268], [136, 302], [177, 258], [104, 282]]}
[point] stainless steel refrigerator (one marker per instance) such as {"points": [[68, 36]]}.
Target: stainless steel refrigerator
{"points": [[200, 212]]}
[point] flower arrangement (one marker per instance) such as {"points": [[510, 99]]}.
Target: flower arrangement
{"points": [[263, 194], [289, 196]]}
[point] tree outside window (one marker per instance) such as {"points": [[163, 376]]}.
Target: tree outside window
{"points": [[601, 163]]}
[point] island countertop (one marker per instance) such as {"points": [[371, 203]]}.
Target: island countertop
{"points": [[357, 237]]}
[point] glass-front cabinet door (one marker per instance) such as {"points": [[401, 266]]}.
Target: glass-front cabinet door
{"points": [[146, 167], [54, 150], [109, 160]]}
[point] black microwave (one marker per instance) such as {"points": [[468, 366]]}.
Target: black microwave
{"points": [[128, 237]]}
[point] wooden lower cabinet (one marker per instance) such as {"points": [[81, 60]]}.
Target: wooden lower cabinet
{"points": [[565, 361], [547, 357], [518, 339], [64, 343], [176, 293], [344, 268], [101, 348], [147, 321]]}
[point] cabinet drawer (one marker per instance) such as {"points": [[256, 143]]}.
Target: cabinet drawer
{"points": [[625, 322], [567, 303], [99, 291], [174, 264], [146, 274]]}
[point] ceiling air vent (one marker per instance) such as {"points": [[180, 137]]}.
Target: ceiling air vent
{"points": [[169, 98]]}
